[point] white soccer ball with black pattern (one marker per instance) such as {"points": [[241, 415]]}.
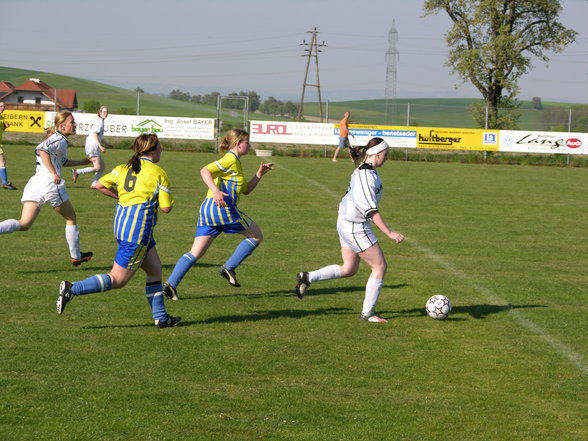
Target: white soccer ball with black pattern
{"points": [[438, 307]]}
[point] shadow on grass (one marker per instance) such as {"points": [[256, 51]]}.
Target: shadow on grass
{"points": [[95, 269], [474, 311], [253, 317], [288, 292]]}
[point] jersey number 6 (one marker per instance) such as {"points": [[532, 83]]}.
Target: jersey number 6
{"points": [[130, 181]]}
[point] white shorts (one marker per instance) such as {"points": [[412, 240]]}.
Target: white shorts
{"points": [[92, 150], [43, 190], [356, 235]]}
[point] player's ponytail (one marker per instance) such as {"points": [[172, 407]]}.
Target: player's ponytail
{"points": [[232, 138], [59, 119], [143, 144], [358, 153]]}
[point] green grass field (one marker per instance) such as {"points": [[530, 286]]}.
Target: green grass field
{"points": [[507, 244]]}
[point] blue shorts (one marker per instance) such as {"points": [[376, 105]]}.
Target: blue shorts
{"points": [[214, 230], [344, 143], [130, 255]]}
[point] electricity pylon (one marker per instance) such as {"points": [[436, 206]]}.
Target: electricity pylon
{"points": [[312, 52]]}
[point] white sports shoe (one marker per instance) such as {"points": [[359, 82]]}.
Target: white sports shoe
{"points": [[372, 317]]}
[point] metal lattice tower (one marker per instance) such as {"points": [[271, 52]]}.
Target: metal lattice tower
{"points": [[312, 52], [391, 70]]}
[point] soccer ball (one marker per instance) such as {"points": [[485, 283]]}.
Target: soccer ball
{"points": [[438, 307]]}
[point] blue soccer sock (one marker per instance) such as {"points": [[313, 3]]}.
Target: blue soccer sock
{"points": [[4, 175], [182, 267], [242, 252], [154, 293], [97, 283]]}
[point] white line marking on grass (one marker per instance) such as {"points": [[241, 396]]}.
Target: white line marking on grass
{"points": [[560, 347], [311, 181]]}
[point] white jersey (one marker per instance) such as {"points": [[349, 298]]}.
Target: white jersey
{"points": [[40, 188], [91, 147], [57, 148], [363, 195], [98, 129]]}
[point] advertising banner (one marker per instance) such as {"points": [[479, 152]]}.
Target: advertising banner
{"points": [[457, 139], [133, 125], [25, 121], [293, 132], [543, 142], [395, 136]]}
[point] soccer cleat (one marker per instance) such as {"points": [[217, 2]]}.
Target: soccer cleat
{"points": [[229, 275], [84, 257], [169, 321], [372, 317], [75, 175], [170, 292], [65, 296], [303, 283], [8, 186]]}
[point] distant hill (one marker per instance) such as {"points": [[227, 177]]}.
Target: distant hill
{"points": [[420, 112]]}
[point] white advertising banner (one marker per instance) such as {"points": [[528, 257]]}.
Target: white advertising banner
{"points": [[293, 132], [133, 125], [328, 134], [543, 142], [401, 137]]}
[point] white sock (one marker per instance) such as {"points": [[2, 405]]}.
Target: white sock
{"points": [[72, 236], [9, 226], [85, 171], [372, 292], [326, 273]]}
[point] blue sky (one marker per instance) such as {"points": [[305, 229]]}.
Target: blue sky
{"points": [[233, 45]]}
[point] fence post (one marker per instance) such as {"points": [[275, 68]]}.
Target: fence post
{"points": [[486, 127], [408, 114]]}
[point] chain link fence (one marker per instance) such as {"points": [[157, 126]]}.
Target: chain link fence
{"points": [[457, 113]]}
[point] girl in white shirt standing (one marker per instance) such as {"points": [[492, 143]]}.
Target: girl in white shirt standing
{"points": [[95, 146], [357, 211]]}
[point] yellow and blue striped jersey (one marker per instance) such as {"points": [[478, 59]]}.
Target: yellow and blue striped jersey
{"points": [[228, 177], [139, 196]]}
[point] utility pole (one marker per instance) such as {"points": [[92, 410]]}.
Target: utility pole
{"points": [[312, 52]]}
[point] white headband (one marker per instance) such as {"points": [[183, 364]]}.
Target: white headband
{"points": [[377, 148]]}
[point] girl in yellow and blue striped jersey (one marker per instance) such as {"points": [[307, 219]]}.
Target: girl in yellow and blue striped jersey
{"points": [[219, 212], [141, 187]]}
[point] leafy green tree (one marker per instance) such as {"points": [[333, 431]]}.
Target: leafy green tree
{"points": [[271, 106], [177, 94], [254, 100], [91, 106], [491, 42], [211, 98], [290, 108]]}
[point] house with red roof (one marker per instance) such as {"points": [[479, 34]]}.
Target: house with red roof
{"points": [[34, 94]]}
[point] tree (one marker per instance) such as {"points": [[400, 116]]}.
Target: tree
{"points": [[177, 94], [491, 42], [91, 106]]}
